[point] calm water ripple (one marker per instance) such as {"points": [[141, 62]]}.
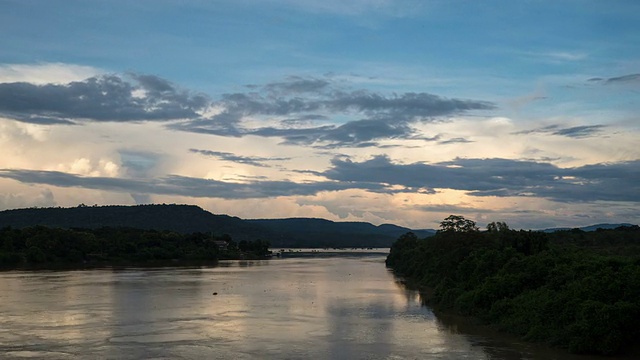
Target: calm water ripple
{"points": [[289, 308]]}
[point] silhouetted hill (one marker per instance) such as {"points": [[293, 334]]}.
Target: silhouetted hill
{"points": [[392, 229], [296, 232], [589, 228], [326, 233], [179, 218]]}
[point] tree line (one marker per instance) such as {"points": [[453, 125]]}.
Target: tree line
{"points": [[43, 246], [573, 289]]}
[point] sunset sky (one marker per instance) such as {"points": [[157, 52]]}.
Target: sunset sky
{"points": [[386, 111]]}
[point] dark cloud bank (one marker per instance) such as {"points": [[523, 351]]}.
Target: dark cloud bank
{"points": [[105, 98], [181, 185], [479, 177], [576, 132], [352, 118], [501, 177], [376, 116], [247, 160], [624, 79]]}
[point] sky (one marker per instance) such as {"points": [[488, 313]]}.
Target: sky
{"points": [[385, 111]]}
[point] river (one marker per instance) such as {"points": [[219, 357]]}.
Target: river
{"points": [[310, 307]]}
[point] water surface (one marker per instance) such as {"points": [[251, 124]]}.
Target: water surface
{"points": [[347, 307]]}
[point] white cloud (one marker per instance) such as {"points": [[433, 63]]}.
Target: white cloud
{"points": [[87, 167], [565, 55], [46, 73], [14, 195]]}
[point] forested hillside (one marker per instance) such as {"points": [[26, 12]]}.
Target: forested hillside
{"points": [[573, 289], [187, 219], [184, 219]]}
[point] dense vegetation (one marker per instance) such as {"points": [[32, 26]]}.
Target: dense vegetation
{"points": [[574, 289], [42, 246]]}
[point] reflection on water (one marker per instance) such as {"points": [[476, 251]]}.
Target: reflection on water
{"points": [[347, 307]]}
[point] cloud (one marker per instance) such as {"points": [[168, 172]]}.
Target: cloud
{"points": [[139, 164], [453, 209], [364, 116], [355, 134], [307, 111], [141, 199], [565, 55], [34, 197], [248, 160], [579, 131], [495, 177], [405, 107], [297, 85], [572, 132], [303, 120], [457, 140], [555, 57], [100, 98], [181, 185], [499, 177], [623, 79], [46, 73], [362, 131]]}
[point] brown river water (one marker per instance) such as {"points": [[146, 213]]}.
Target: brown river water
{"points": [[295, 307]]}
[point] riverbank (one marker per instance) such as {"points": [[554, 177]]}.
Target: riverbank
{"points": [[41, 247], [543, 288], [491, 336]]}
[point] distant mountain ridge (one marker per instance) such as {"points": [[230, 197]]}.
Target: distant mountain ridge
{"points": [[589, 228], [294, 232], [323, 232]]}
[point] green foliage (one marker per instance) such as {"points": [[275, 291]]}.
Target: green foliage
{"points": [[457, 223], [35, 255], [576, 289], [41, 246], [497, 226], [604, 327]]}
